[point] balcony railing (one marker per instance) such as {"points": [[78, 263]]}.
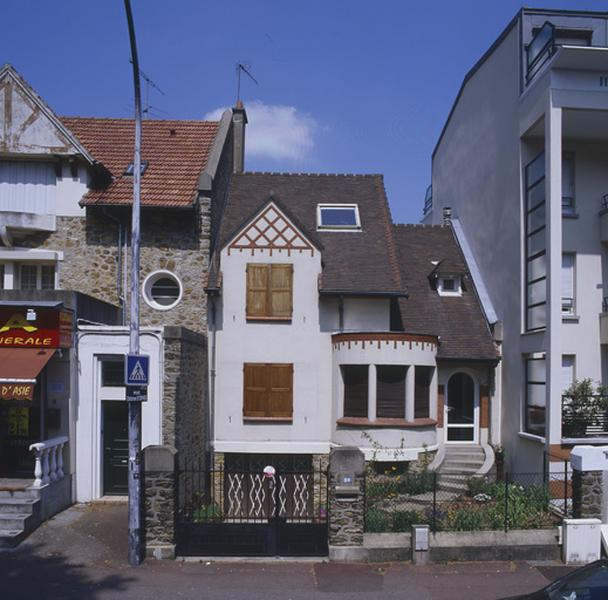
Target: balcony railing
{"points": [[540, 50], [585, 417]]}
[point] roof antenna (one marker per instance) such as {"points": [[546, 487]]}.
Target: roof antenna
{"points": [[241, 68], [149, 84]]}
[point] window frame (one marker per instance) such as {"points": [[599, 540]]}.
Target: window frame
{"points": [[39, 267], [253, 415], [571, 311], [269, 311], [528, 382], [385, 409], [570, 210], [343, 206], [457, 291], [150, 281], [346, 412]]}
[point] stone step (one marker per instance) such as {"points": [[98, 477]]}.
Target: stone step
{"points": [[464, 450], [17, 505], [14, 521], [467, 470], [468, 454], [18, 493], [454, 486], [9, 538], [452, 462]]}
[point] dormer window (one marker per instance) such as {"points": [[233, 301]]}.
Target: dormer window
{"points": [[449, 286], [142, 168], [338, 217]]}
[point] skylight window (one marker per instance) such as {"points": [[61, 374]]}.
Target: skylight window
{"points": [[142, 168], [338, 217]]}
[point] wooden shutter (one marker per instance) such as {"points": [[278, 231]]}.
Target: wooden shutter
{"points": [[257, 290], [280, 402], [281, 293], [267, 390], [255, 389], [422, 392], [390, 391]]}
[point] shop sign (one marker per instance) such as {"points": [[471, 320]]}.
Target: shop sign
{"points": [[16, 391], [22, 327]]}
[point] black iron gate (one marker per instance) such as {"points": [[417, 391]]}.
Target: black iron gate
{"points": [[227, 512]]}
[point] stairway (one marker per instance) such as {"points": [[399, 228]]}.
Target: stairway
{"points": [[19, 513], [460, 462]]}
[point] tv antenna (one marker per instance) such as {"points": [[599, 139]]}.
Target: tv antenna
{"points": [[149, 84], [241, 68]]}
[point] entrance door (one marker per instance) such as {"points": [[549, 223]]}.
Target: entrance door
{"points": [[115, 436], [461, 409]]}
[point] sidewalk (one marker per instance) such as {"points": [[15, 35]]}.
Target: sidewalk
{"points": [[81, 553]]}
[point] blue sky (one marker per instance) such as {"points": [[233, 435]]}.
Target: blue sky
{"points": [[354, 86]]}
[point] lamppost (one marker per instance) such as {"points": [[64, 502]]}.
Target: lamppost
{"points": [[134, 479]]}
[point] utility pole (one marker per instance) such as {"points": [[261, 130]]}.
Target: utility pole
{"points": [[135, 550]]}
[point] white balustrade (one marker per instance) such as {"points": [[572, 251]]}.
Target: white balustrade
{"points": [[49, 460]]}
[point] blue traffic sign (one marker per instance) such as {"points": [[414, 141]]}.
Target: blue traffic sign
{"points": [[137, 369]]}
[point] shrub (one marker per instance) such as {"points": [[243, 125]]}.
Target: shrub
{"points": [[376, 521], [404, 519], [206, 512], [465, 519], [416, 483]]}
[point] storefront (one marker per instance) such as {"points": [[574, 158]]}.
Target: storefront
{"points": [[35, 342]]}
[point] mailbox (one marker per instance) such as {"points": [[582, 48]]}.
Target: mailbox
{"points": [[347, 485]]}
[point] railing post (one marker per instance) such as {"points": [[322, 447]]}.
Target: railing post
{"points": [[60, 473], [506, 502], [53, 469], [434, 502], [38, 469], [45, 466]]}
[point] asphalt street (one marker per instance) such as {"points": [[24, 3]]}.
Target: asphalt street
{"points": [[81, 553]]}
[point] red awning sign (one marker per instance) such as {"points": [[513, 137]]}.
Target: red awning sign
{"points": [[19, 368], [16, 391]]}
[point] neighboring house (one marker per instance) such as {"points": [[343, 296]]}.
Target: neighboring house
{"points": [[521, 166], [65, 194], [330, 326]]}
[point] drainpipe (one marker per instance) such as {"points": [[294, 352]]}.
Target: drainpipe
{"points": [[212, 361], [341, 313]]}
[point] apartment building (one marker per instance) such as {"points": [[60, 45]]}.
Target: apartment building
{"points": [[521, 169]]}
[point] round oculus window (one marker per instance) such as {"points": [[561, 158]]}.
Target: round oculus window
{"points": [[162, 290]]}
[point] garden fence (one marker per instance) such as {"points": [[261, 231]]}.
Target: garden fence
{"points": [[464, 502]]}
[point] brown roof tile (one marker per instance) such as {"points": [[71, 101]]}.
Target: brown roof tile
{"points": [[457, 320], [353, 261], [177, 152]]}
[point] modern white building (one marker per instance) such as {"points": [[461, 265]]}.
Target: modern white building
{"points": [[521, 168]]}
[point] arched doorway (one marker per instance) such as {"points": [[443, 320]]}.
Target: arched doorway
{"points": [[461, 409]]}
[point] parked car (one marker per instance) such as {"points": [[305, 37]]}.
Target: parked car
{"points": [[587, 583]]}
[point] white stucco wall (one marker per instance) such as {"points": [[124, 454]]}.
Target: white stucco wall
{"points": [[87, 453]]}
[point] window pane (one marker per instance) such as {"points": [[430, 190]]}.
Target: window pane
{"points": [[113, 372], [535, 420], [535, 170], [567, 371], [537, 292], [536, 218], [537, 317], [536, 242], [27, 277], [338, 216], [536, 370], [423, 377], [536, 394], [537, 267], [536, 195], [568, 179], [165, 291], [47, 277], [390, 391], [355, 379]]}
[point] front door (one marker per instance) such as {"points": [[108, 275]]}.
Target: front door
{"points": [[461, 409], [115, 437]]}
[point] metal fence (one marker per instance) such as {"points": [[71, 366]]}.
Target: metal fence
{"points": [[464, 502]]}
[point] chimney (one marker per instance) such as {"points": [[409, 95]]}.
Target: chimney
{"points": [[447, 215], [239, 120]]}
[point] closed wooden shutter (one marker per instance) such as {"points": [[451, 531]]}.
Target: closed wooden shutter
{"points": [[281, 290], [268, 390], [281, 391], [257, 290], [422, 392], [355, 379], [390, 391]]}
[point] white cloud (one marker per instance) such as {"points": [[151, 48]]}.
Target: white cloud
{"points": [[275, 131]]}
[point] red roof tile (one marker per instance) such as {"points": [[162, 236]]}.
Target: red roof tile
{"points": [[177, 152]]}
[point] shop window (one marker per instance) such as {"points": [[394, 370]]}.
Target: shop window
{"points": [[355, 378], [390, 391], [268, 391], [269, 291]]}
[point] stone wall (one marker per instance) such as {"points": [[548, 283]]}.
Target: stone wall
{"points": [[171, 239], [159, 495], [185, 394], [587, 494], [346, 511]]}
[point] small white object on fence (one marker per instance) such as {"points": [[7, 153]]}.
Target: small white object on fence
{"points": [[48, 465]]}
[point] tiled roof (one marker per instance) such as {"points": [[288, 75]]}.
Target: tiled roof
{"points": [[353, 261], [177, 152], [457, 320]]}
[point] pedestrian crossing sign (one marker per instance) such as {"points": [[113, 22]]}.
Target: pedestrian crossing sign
{"points": [[137, 369]]}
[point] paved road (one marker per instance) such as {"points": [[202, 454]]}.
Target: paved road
{"points": [[81, 554]]}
